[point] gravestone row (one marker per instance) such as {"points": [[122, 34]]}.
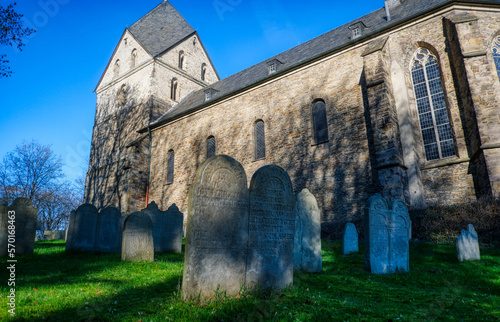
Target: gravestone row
{"points": [[239, 237], [18, 228]]}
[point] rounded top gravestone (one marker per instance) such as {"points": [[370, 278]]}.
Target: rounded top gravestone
{"points": [[109, 231], [137, 241], [216, 230]]}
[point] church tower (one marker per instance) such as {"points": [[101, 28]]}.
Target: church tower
{"points": [[158, 61]]}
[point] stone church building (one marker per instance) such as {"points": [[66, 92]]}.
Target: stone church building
{"points": [[404, 101]]}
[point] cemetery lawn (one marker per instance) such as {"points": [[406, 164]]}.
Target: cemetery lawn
{"points": [[54, 286]]}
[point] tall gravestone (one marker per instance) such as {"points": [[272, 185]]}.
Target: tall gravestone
{"points": [[350, 243], [109, 231], [307, 241], [216, 230], [137, 240], [468, 245], [84, 232], [25, 219], [271, 229], [167, 228], [70, 232], [387, 249]]}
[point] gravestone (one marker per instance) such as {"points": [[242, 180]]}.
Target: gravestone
{"points": [[25, 219], [84, 232], [307, 240], [109, 231], [167, 228], [216, 230], [271, 229], [468, 245], [137, 240], [350, 244], [387, 249], [54, 234], [70, 232]]}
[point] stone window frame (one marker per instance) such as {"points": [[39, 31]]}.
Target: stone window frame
{"points": [[181, 59], [259, 140], [133, 58], [203, 71], [170, 166], [211, 142], [495, 52], [431, 53], [173, 89], [116, 69], [315, 125]]}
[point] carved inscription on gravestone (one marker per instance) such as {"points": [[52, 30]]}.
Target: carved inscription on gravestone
{"points": [[137, 240], [271, 229], [217, 230], [387, 249], [109, 231]]}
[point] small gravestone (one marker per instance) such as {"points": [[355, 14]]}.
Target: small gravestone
{"points": [[54, 234], [137, 240], [387, 249], [84, 231], [271, 229], [26, 219], [350, 244], [216, 230], [70, 232], [468, 245], [109, 231], [167, 228], [307, 241]]}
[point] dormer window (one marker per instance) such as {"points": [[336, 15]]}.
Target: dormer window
{"points": [[357, 30], [209, 94], [273, 66]]}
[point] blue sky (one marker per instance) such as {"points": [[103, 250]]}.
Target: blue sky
{"points": [[50, 96]]}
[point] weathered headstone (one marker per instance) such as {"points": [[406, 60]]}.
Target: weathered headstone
{"points": [[217, 230], [167, 228], [468, 245], [387, 249], [307, 241], [137, 242], [84, 232], [70, 232], [350, 244], [109, 231], [271, 229], [54, 234], [21, 216]]}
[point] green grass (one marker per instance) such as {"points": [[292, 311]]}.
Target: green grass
{"points": [[55, 286]]}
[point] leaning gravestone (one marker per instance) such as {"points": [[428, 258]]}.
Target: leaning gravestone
{"points": [[307, 241], [350, 244], [24, 224], [271, 229], [468, 245], [137, 240], [216, 230], [109, 231], [84, 232], [167, 228], [387, 238]]}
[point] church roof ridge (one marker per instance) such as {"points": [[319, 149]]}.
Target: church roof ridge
{"points": [[161, 28], [317, 47]]}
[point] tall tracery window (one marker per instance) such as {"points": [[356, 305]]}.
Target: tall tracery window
{"points": [[173, 89], [431, 103], [210, 147], [260, 140], [203, 71], [320, 123], [181, 59], [133, 58], [170, 167], [116, 70], [495, 48]]}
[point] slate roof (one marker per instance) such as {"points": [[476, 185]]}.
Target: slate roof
{"points": [[335, 39], [160, 29]]}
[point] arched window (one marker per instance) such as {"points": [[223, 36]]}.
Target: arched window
{"points": [[431, 103], [260, 140], [210, 147], [496, 53], [320, 123], [170, 167], [203, 71], [181, 59], [116, 71], [133, 58], [173, 89]]}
